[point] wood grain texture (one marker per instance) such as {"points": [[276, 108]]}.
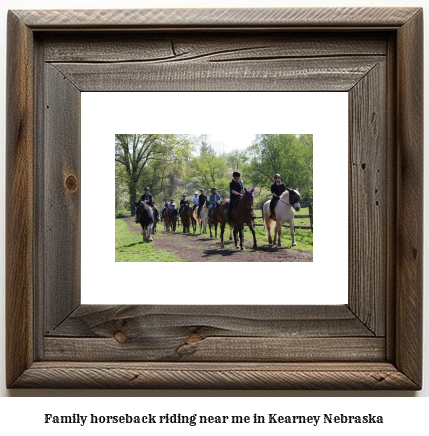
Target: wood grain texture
{"points": [[409, 252], [111, 375], [189, 347], [209, 18], [19, 198], [99, 321], [368, 173], [193, 348], [213, 333], [61, 208], [324, 74], [172, 47]]}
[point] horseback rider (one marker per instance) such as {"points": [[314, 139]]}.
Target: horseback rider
{"points": [[195, 201], [148, 199], [236, 192], [214, 198], [201, 201], [183, 202], [277, 189], [171, 206], [164, 206]]}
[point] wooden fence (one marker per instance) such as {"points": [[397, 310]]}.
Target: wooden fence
{"points": [[304, 204]]}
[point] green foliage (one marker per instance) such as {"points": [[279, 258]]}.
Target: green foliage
{"points": [[289, 155], [150, 159], [170, 167], [129, 247]]}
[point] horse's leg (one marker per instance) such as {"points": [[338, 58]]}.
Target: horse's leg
{"points": [[292, 232], [149, 233], [254, 236], [230, 233], [222, 230], [268, 227], [279, 234], [236, 239], [241, 232]]}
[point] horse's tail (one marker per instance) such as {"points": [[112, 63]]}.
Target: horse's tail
{"points": [[268, 223]]}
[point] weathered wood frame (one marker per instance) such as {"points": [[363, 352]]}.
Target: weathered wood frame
{"points": [[374, 342]]}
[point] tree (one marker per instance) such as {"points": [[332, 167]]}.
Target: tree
{"points": [[288, 155], [209, 167], [136, 151]]}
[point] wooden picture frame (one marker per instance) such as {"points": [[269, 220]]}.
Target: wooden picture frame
{"points": [[373, 342]]}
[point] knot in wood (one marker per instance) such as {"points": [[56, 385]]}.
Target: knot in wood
{"points": [[120, 337], [71, 183]]}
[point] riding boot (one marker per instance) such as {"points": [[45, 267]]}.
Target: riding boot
{"points": [[229, 213], [273, 203]]}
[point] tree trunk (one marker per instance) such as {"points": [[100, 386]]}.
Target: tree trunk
{"points": [[132, 188]]}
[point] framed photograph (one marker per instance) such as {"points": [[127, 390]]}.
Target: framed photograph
{"points": [[372, 341]]}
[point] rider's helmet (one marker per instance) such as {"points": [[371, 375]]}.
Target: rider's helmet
{"points": [[165, 199], [236, 174], [196, 193], [146, 189], [202, 190], [171, 199], [277, 176], [184, 195], [214, 188]]}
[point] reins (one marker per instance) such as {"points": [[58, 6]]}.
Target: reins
{"points": [[285, 202]]}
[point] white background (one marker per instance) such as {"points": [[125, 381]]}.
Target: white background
{"points": [[323, 281], [405, 415]]}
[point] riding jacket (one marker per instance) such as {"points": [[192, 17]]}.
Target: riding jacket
{"points": [[145, 197], [195, 200], [237, 187], [202, 199], [278, 189], [214, 198]]}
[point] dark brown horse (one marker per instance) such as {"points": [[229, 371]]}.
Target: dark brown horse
{"points": [[215, 219], [186, 218], [155, 219], [170, 219], [243, 214]]}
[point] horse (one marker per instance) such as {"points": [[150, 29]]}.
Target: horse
{"points": [[155, 219], [202, 222], [214, 220], [186, 218], [144, 216], [243, 214], [170, 219], [193, 220], [283, 212]]}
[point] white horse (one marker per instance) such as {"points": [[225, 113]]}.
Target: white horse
{"points": [[283, 212], [203, 221]]}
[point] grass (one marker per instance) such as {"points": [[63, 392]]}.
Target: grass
{"points": [[129, 247], [304, 238]]}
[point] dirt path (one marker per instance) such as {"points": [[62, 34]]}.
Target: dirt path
{"points": [[192, 247]]}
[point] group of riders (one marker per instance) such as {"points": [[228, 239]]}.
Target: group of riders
{"points": [[198, 201]]}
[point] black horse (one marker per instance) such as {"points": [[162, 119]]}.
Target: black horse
{"points": [[144, 216]]}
